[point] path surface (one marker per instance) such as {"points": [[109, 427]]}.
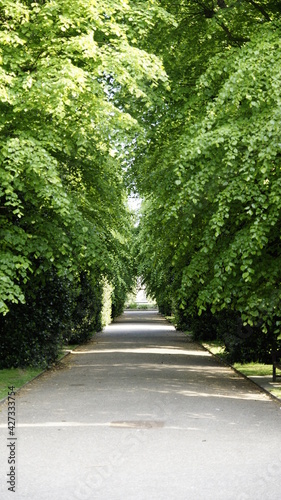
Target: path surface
{"points": [[140, 413]]}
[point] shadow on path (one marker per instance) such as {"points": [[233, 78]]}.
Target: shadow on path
{"points": [[141, 413]]}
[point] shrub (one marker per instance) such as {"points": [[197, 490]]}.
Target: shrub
{"points": [[57, 310], [32, 333], [86, 311]]}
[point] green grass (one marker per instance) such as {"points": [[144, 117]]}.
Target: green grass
{"points": [[254, 369], [215, 347], [171, 320], [248, 369], [132, 305], [260, 370], [276, 392], [16, 377]]}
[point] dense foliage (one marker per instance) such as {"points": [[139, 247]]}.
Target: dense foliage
{"points": [[178, 101], [209, 237], [72, 82]]}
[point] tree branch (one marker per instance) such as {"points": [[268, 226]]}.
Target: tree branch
{"points": [[260, 9]]}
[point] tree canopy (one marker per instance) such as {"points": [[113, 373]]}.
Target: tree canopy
{"points": [[210, 230], [71, 80], [177, 101]]}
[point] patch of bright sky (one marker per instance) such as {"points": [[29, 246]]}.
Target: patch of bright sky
{"points": [[134, 203]]}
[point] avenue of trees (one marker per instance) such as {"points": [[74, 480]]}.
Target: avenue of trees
{"points": [[177, 101]]}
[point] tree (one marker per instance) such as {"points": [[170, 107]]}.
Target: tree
{"points": [[73, 81], [63, 202], [212, 177]]}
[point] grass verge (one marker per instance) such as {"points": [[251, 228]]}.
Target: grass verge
{"points": [[260, 370], [171, 320], [248, 369], [16, 377], [215, 347]]}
